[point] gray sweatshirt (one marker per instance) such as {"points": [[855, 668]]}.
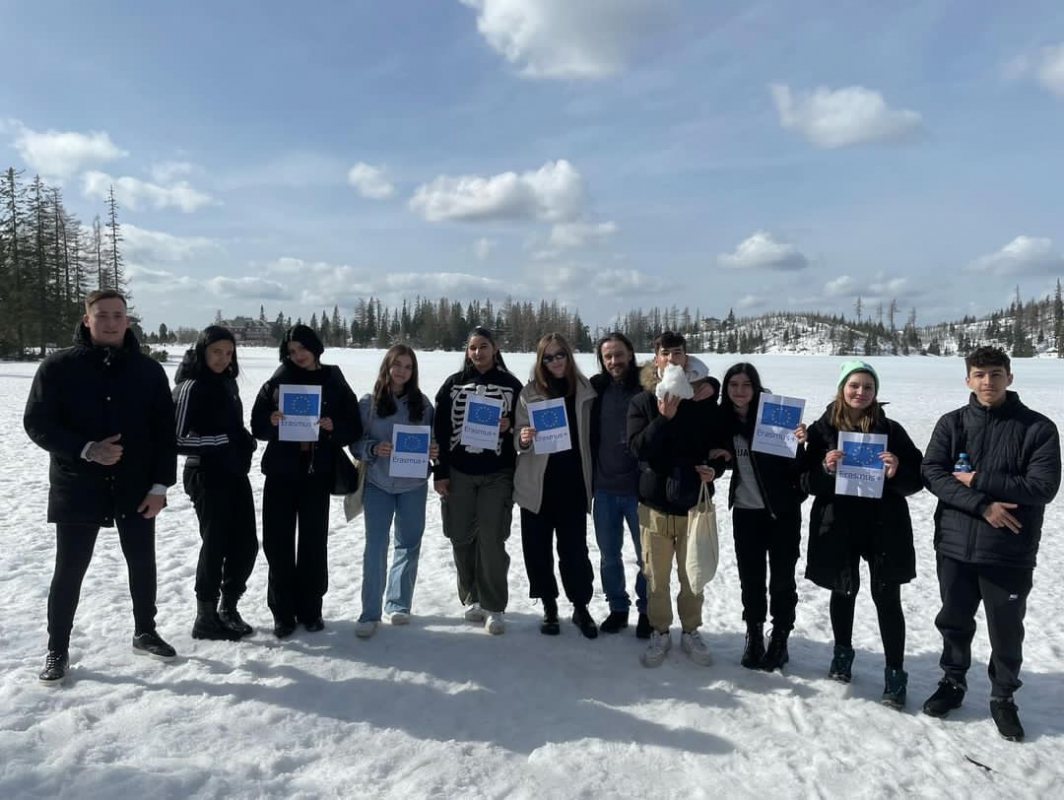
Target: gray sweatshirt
{"points": [[379, 429]]}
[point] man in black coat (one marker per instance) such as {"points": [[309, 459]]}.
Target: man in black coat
{"points": [[103, 411], [987, 527]]}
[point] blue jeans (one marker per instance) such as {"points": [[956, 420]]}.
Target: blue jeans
{"points": [[611, 512], [379, 507]]}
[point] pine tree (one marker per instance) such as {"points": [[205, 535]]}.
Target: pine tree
{"points": [[1058, 322], [114, 237]]}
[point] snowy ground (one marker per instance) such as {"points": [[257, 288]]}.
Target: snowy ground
{"points": [[443, 709]]}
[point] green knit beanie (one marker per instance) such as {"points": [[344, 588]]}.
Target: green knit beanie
{"points": [[856, 365]]}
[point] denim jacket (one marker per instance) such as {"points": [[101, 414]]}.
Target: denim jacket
{"points": [[379, 429]]}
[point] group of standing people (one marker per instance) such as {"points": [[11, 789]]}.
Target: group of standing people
{"points": [[636, 457]]}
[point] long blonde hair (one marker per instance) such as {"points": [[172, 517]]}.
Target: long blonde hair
{"points": [[841, 420]]}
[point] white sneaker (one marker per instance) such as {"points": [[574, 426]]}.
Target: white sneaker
{"points": [[474, 613], [364, 630], [692, 644], [495, 624], [399, 618], [656, 650]]}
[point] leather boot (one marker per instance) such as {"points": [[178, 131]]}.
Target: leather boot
{"points": [[755, 646], [209, 625], [231, 617]]}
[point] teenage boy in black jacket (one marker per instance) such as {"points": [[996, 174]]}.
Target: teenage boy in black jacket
{"points": [[103, 411], [987, 527]]}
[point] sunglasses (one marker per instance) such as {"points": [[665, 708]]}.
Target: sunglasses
{"points": [[561, 355]]}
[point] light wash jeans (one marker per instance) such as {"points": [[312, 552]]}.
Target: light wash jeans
{"points": [[610, 513], [379, 507]]}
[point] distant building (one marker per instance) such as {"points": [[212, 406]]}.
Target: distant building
{"points": [[710, 324], [247, 330]]}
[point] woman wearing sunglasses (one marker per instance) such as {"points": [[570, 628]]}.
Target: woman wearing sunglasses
{"points": [[553, 489]]}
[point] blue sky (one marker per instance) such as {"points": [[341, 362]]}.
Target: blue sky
{"points": [[607, 153]]}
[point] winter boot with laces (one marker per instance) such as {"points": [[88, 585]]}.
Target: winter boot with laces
{"points": [[1007, 718], [841, 668], [583, 620], [209, 625], [948, 696], [776, 655], [56, 666], [549, 625], [895, 681], [231, 617], [616, 621], [755, 646]]}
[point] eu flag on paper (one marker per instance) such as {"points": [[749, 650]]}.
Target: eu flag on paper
{"points": [[862, 454], [300, 404], [548, 419], [412, 442], [780, 415], [482, 413]]}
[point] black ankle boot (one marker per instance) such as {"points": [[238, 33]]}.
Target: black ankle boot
{"points": [[582, 619], [209, 625], [614, 622], [776, 654], [231, 617], [755, 646], [549, 625]]}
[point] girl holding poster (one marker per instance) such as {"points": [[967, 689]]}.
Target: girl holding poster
{"points": [[300, 476], [475, 475], [765, 497], [843, 529], [552, 484], [396, 401]]}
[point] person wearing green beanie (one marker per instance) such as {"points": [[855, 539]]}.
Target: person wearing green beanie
{"points": [[843, 530]]}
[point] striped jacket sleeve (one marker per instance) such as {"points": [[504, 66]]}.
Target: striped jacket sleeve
{"points": [[187, 412]]}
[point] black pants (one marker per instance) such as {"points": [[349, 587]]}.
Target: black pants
{"points": [[887, 597], [567, 521], [73, 552], [759, 537], [226, 514], [299, 568], [1003, 592]]}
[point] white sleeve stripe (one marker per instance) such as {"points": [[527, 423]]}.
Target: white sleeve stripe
{"points": [[182, 406], [203, 441]]}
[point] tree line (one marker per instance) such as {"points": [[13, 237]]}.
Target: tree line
{"points": [[49, 261]]}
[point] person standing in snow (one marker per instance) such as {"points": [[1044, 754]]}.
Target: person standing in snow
{"points": [[553, 489], [299, 479], [616, 481], [103, 411], [396, 400], [988, 524], [211, 433], [476, 484], [766, 499], [672, 437], [844, 529]]}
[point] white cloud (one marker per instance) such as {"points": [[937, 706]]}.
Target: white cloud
{"points": [[143, 246], [762, 251], [553, 193], [578, 234], [1051, 70], [1024, 255], [582, 39], [482, 248], [246, 288], [166, 171], [843, 117], [748, 301], [59, 154], [370, 181], [133, 193], [840, 286], [582, 279]]}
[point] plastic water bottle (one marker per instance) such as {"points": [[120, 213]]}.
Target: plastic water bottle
{"points": [[963, 463]]}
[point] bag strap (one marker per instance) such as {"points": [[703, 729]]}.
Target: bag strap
{"points": [[703, 496]]}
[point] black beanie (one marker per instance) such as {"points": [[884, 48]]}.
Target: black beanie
{"points": [[305, 335]]}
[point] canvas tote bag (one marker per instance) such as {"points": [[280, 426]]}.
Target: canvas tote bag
{"points": [[703, 550]]}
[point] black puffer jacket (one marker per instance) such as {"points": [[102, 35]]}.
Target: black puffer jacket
{"points": [[210, 420], [778, 478], [1015, 454], [338, 403], [669, 449], [837, 519], [85, 394]]}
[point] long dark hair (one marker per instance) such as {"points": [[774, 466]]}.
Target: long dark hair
{"points": [[542, 378], [731, 417], [484, 333], [198, 363], [383, 398], [631, 377]]}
